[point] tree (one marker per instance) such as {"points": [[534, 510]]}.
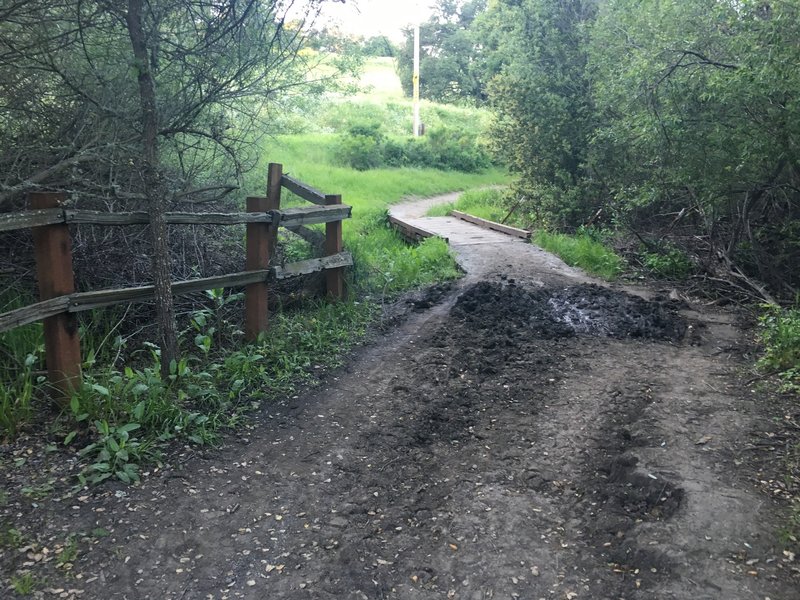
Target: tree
{"points": [[142, 102], [543, 101], [700, 126], [449, 54]]}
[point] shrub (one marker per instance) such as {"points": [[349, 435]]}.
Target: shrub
{"points": [[669, 263], [779, 330], [364, 146]]}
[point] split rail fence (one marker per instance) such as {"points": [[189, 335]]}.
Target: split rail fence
{"points": [[59, 301]]}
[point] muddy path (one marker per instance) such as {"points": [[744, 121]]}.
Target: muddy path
{"points": [[530, 435]]}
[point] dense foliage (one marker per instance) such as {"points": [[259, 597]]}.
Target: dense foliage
{"points": [[366, 146], [676, 120]]}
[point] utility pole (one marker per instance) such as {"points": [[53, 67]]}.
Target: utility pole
{"points": [[416, 81]]}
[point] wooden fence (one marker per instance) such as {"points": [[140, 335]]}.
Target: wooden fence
{"points": [[59, 301]]}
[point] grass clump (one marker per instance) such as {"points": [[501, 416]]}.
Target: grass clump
{"points": [[581, 250], [24, 584]]}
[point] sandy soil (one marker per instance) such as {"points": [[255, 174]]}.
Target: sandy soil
{"points": [[526, 434]]}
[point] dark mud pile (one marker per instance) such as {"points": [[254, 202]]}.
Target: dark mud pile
{"points": [[581, 309]]}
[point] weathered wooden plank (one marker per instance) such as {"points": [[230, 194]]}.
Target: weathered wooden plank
{"points": [[90, 300], [412, 232], [31, 218], [33, 312], [305, 191], [313, 237], [292, 217], [83, 301], [94, 217], [314, 265], [486, 224]]}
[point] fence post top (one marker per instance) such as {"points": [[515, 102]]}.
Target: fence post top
{"points": [[38, 200]]}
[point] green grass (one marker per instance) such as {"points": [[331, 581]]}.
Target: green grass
{"points": [[487, 204], [384, 262], [21, 352], [581, 250]]}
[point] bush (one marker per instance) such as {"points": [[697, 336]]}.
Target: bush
{"points": [[780, 333], [364, 147], [669, 263]]}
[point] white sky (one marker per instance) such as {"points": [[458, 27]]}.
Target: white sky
{"points": [[374, 17]]}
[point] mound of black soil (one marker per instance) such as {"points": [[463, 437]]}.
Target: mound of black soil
{"points": [[581, 309]]}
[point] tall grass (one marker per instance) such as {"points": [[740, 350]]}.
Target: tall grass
{"points": [[21, 352], [484, 203], [581, 250]]}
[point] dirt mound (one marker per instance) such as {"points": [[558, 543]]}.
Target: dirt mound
{"points": [[553, 313]]}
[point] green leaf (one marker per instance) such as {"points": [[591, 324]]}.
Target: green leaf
{"points": [[103, 391], [138, 411], [70, 436]]}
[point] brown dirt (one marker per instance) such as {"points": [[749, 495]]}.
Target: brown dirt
{"points": [[524, 435]]}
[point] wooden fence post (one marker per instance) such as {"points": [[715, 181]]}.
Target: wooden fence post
{"points": [[333, 245], [53, 252], [274, 177], [260, 243]]}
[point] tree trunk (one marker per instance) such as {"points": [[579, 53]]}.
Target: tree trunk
{"points": [[154, 190]]}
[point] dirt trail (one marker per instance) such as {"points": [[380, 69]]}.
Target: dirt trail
{"points": [[530, 436]]}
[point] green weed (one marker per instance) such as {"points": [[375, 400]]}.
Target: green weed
{"points": [[24, 584], [11, 537], [581, 250], [38, 492], [68, 553], [127, 414]]}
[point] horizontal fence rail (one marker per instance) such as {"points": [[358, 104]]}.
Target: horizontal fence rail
{"points": [[290, 217], [306, 192], [50, 223]]}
